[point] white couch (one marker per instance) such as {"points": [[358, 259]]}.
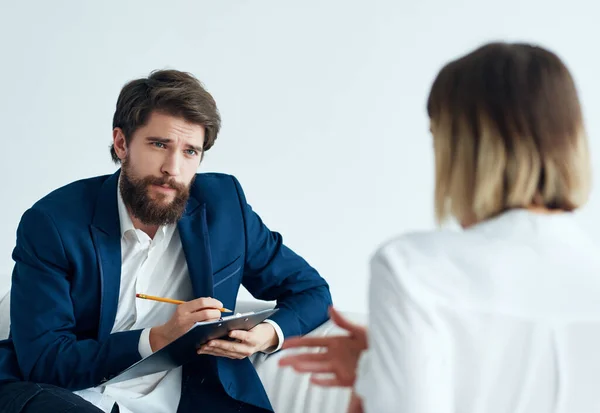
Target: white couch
{"points": [[288, 391]]}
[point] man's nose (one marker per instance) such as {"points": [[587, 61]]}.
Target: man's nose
{"points": [[172, 165]]}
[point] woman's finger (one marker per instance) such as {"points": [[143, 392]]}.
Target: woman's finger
{"points": [[304, 357], [327, 382], [308, 342], [342, 322], [313, 367]]}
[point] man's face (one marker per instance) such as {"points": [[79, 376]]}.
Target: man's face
{"points": [[158, 167]]}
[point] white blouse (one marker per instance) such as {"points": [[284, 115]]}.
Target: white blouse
{"points": [[502, 317]]}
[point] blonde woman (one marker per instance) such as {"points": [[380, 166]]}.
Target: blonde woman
{"points": [[505, 315]]}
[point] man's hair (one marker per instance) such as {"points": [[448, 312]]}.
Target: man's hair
{"points": [[170, 92], [508, 133]]}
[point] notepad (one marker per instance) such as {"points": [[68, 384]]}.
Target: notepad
{"points": [[184, 349]]}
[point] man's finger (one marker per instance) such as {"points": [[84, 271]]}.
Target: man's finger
{"points": [[243, 336], [217, 352], [228, 346], [201, 303], [204, 315], [309, 342], [219, 348]]}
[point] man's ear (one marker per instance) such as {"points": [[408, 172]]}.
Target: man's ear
{"points": [[119, 143]]}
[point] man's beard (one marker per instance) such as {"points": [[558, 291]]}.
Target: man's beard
{"points": [[136, 196]]}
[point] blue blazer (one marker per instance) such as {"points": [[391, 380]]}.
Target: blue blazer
{"points": [[65, 283]]}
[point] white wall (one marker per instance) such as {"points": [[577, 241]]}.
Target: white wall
{"points": [[322, 103]]}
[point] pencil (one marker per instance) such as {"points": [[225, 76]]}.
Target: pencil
{"points": [[171, 301]]}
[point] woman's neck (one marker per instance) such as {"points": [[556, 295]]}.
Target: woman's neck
{"points": [[470, 221]]}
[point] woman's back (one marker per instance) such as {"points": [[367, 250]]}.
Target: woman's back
{"points": [[503, 317]]}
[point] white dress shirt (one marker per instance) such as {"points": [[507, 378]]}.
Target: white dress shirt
{"points": [[502, 317], [154, 267]]}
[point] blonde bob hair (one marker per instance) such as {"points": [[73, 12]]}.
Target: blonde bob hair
{"points": [[508, 133]]}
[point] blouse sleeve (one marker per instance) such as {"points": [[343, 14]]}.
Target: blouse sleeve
{"points": [[406, 368]]}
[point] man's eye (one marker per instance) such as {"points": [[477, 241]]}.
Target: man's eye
{"points": [[159, 144], [191, 152]]}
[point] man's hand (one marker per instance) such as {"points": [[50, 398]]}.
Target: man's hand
{"points": [[186, 315], [260, 338], [340, 357]]}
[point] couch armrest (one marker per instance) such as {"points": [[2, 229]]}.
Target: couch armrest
{"points": [[245, 306], [291, 392]]}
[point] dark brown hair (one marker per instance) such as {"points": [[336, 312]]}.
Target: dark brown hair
{"points": [[508, 133], [169, 91]]}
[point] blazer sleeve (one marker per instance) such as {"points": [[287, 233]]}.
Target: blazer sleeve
{"points": [[43, 320], [273, 271]]}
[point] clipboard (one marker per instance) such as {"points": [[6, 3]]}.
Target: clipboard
{"points": [[183, 349]]}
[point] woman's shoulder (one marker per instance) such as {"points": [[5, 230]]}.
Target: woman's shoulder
{"points": [[414, 246], [497, 265], [443, 265], [476, 243]]}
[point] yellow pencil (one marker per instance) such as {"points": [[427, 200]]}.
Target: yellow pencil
{"points": [[168, 300]]}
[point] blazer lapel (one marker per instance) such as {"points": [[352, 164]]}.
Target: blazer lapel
{"points": [[106, 236], [193, 231]]}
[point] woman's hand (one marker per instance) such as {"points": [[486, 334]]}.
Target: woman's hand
{"points": [[340, 357]]}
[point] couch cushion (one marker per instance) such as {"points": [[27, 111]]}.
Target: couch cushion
{"points": [[4, 315]]}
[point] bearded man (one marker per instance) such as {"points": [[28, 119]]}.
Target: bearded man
{"points": [[154, 227]]}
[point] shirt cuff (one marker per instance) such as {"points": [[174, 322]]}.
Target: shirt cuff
{"points": [[144, 345], [279, 336]]}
